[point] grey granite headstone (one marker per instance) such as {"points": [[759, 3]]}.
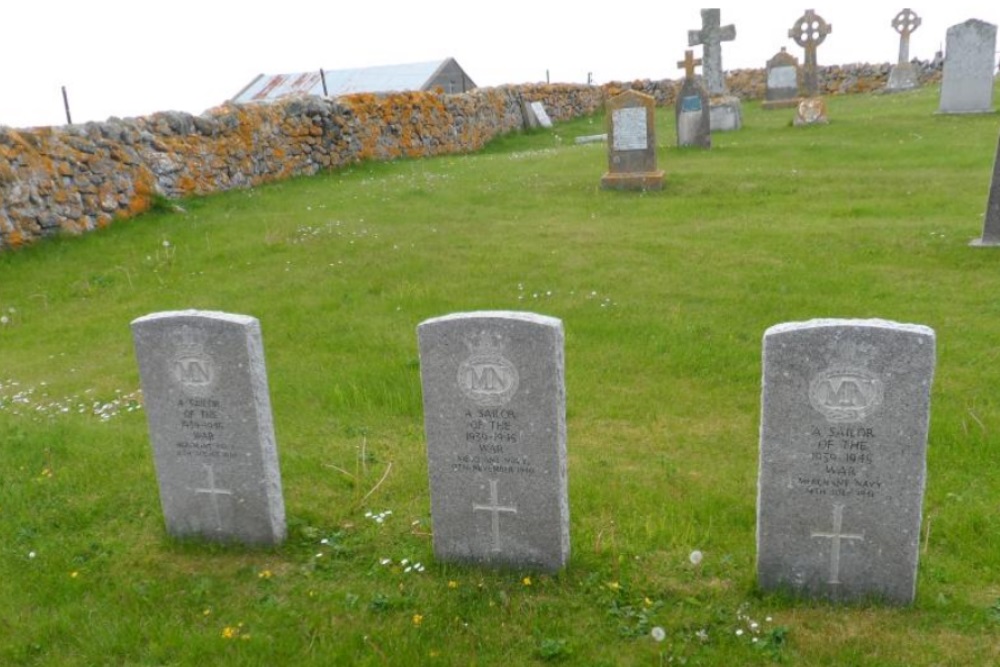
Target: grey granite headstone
{"points": [[711, 36], [991, 219], [843, 450], [782, 84], [206, 399], [632, 143], [495, 419], [969, 64]]}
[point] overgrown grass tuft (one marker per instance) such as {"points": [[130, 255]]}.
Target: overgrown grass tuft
{"points": [[664, 296]]}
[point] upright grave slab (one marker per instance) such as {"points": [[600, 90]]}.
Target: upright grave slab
{"points": [[495, 418], [206, 397], [691, 109], [991, 219], [843, 444], [782, 84], [903, 75], [725, 111], [969, 65], [632, 144]]}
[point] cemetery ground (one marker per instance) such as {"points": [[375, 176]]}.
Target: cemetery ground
{"points": [[664, 297]]}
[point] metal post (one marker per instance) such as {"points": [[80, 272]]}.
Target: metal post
{"points": [[69, 119]]}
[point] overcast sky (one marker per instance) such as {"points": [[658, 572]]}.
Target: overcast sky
{"points": [[128, 58]]}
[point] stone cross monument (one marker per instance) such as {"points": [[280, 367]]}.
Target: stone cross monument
{"points": [[711, 36], [809, 32], [903, 75]]}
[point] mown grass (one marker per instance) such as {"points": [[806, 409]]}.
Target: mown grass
{"points": [[664, 297]]}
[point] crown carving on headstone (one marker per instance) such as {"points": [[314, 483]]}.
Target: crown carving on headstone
{"points": [[851, 354], [485, 344], [189, 341]]}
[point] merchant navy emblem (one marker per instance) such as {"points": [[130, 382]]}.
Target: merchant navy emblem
{"points": [[191, 366], [846, 395], [487, 378]]}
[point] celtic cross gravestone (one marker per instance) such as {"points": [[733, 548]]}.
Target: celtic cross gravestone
{"points": [[809, 32]]}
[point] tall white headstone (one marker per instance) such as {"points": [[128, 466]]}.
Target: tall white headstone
{"points": [[969, 66]]}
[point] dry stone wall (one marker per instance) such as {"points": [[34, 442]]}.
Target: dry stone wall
{"points": [[78, 178]]}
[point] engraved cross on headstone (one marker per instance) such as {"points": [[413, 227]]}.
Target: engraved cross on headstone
{"points": [[688, 64], [809, 32], [905, 23], [835, 537], [494, 508], [711, 37], [213, 494]]}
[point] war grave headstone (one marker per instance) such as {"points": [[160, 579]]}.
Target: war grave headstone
{"points": [[969, 63], [691, 109], [809, 32], [725, 111], [903, 75], [206, 396], [632, 145], [495, 418], [843, 447], [782, 84], [991, 219]]}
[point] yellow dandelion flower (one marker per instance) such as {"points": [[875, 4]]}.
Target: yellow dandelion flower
{"points": [[452, 584], [417, 619], [229, 632], [614, 585], [526, 581], [206, 612], [264, 574]]}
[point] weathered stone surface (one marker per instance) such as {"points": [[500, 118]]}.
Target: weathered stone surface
{"points": [[809, 32], [692, 115], [206, 398], [811, 111], [991, 219], [632, 144], [843, 450], [969, 66], [782, 86], [725, 114], [495, 417], [711, 36]]}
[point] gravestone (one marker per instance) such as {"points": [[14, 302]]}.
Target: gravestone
{"points": [[809, 32], [691, 109], [632, 144], [495, 418], [843, 450], [782, 85], [206, 399], [725, 111], [967, 79], [904, 75], [991, 219], [538, 109], [811, 111]]}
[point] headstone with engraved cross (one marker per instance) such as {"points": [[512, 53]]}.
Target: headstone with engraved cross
{"points": [[969, 66], [495, 419], [809, 32], [843, 449], [725, 111], [691, 110], [206, 398], [631, 143], [904, 75]]}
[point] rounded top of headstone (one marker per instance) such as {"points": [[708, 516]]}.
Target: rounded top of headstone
{"points": [[873, 323], [214, 315], [516, 315]]}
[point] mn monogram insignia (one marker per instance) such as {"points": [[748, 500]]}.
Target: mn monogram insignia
{"points": [[487, 378], [845, 395]]}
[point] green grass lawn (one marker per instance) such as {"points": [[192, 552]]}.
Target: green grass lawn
{"points": [[664, 297]]}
